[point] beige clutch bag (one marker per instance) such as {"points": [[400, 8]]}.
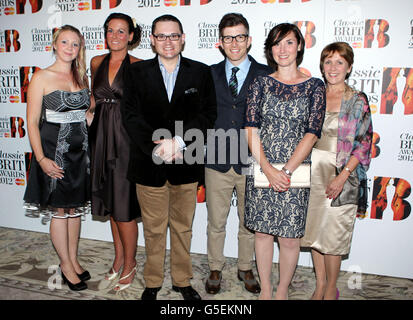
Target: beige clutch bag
{"points": [[301, 177]]}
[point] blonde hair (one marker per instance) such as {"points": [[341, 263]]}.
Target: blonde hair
{"points": [[78, 64]]}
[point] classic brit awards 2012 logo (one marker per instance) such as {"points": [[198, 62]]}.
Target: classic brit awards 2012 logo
{"points": [[370, 33], [145, 36], [85, 5], [11, 7], [14, 82], [13, 167], [10, 85], [268, 25], [368, 80], [406, 147], [208, 35], [42, 39], [94, 37]]}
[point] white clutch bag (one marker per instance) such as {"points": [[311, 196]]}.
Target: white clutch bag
{"points": [[301, 177]]}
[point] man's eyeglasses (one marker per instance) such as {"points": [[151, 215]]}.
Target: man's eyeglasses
{"points": [[238, 38], [172, 37]]}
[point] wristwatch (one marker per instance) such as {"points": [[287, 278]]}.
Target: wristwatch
{"points": [[287, 172]]}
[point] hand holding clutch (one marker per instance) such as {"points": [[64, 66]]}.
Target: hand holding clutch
{"points": [[301, 177]]}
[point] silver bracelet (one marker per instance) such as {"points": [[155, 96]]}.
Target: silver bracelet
{"points": [[287, 172]]}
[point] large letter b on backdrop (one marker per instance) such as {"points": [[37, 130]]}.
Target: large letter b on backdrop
{"points": [[395, 190]]}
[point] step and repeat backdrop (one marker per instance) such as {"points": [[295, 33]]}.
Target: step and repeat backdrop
{"points": [[380, 31]]}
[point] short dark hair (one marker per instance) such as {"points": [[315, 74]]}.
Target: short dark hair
{"points": [[343, 49], [167, 17], [278, 33], [137, 31], [232, 20]]}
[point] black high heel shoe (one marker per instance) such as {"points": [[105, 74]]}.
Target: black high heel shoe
{"points": [[73, 286], [84, 276]]}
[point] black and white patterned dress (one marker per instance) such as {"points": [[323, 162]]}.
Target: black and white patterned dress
{"points": [[64, 140], [283, 114]]}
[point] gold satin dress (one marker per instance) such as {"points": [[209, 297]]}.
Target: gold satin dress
{"points": [[328, 229]]}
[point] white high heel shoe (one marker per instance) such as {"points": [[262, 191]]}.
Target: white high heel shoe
{"points": [[108, 279], [123, 286], [112, 275]]}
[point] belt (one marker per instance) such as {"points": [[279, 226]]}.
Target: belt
{"points": [[65, 117], [99, 101]]}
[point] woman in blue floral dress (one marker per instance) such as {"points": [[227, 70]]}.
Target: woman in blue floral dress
{"points": [[284, 119]]}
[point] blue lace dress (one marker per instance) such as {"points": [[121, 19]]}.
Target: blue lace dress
{"points": [[283, 114]]}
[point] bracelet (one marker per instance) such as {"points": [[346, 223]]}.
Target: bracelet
{"points": [[347, 169], [38, 161], [181, 143], [287, 172]]}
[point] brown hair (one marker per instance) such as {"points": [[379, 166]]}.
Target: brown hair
{"points": [[78, 64], [343, 49], [232, 20], [136, 30], [278, 33], [166, 18]]}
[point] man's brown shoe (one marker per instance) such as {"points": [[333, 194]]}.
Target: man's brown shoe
{"points": [[213, 283], [251, 284]]}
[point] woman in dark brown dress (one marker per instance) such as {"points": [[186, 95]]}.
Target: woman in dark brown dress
{"points": [[112, 193]]}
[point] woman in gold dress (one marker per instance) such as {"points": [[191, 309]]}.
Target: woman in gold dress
{"points": [[340, 159]]}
